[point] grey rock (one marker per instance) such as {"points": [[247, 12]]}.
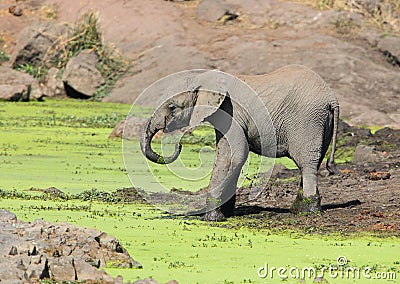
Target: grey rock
{"points": [[37, 268], [13, 250], [54, 192], [15, 10], [146, 281], [62, 268], [7, 216], [37, 92], [84, 272], [18, 86], [21, 265], [270, 34], [119, 280], [372, 37], [14, 92], [107, 241], [36, 40], [390, 46], [365, 154], [11, 275], [213, 10], [81, 78], [164, 59], [58, 251], [129, 128], [54, 84]]}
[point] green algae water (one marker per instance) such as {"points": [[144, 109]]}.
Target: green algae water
{"points": [[192, 251], [65, 144]]}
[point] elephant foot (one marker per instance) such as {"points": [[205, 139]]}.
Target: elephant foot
{"points": [[306, 205], [214, 215], [219, 213]]}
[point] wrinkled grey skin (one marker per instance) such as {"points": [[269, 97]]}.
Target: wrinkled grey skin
{"points": [[303, 112]]}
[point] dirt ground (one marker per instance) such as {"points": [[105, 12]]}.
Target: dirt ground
{"points": [[364, 197]]}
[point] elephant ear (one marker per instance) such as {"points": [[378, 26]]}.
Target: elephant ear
{"points": [[207, 103]]}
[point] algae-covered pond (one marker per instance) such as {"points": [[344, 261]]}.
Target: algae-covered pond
{"points": [[65, 144]]}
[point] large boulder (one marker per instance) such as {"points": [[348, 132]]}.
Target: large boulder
{"points": [[129, 128], [390, 46], [267, 35], [165, 59], [81, 78], [35, 41], [18, 86], [14, 92]]}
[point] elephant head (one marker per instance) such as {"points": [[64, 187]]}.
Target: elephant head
{"points": [[184, 109]]}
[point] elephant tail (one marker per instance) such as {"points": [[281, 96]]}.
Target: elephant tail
{"points": [[330, 165]]}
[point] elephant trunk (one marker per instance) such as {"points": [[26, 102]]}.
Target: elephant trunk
{"points": [[145, 145]]}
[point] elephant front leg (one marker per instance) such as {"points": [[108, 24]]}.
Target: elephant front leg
{"points": [[232, 152], [308, 199]]}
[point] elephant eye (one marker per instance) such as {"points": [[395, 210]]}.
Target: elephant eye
{"points": [[172, 106]]}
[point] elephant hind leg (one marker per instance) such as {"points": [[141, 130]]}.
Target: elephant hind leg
{"points": [[308, 160], [308, 199]]}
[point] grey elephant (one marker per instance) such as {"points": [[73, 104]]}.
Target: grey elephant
{"points": [[294, 114]]}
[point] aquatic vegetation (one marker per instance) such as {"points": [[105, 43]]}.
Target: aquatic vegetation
{"points": [[193, 251], [65, 144]]}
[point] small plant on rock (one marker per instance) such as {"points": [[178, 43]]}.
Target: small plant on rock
{"points": [[344, 26], [3, 56], [85, 35], [33, 70]]}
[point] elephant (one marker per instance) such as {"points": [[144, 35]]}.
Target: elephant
{"points": [[293, 114]]}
